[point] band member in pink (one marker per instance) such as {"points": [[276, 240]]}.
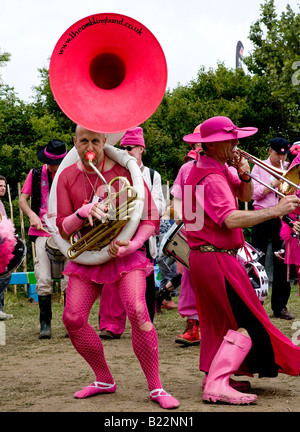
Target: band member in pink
{"points": [[187, 302], [79, 199], [237, 336]]}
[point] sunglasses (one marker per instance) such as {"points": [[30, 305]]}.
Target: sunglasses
{"points": [[128, 148]]}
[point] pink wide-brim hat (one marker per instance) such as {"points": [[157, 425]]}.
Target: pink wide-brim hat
{"points": [[134, 137], [218, 129]]}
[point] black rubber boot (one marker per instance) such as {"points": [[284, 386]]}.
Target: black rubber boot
{"points": [[45, 316]]}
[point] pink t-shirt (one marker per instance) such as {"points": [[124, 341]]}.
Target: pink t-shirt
{"points": [[74, 188], [180, 180], [216, 199], [27, 189]]}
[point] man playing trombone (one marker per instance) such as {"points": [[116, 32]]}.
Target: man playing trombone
{"points": [[237, 336]]}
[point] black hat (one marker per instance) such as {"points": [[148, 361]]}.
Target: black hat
{"points": [[280, 145], [53, 153]]}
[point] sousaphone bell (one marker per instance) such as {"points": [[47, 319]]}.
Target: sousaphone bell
{"points": [[108, 73]]}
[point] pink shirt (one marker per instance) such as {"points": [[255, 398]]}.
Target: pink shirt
{"points": [[217, 198], [27, 189], [180, 180], [74, 189]]}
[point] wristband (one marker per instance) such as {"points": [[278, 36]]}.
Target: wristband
{"points": [[245, 181], [80, 217]]}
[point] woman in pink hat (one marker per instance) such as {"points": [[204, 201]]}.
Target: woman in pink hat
{"points": [[237, 336]]}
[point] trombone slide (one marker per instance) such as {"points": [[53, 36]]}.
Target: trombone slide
{"points": [[265, 184], [271, 170]]}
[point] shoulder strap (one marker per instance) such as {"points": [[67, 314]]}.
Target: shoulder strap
{"points": [[36, 197], [151, 175], [197, 174]]}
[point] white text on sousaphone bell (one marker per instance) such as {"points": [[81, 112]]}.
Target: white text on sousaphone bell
{"points": [[94, 21]]}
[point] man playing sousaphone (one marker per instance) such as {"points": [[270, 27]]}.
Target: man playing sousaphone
{"points": [[77, 201]]}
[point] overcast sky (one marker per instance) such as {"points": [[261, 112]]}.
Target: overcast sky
{"points": [[191, 32]]}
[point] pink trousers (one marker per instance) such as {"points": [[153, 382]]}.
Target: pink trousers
{"points": [[187, 307], [112, 314]]}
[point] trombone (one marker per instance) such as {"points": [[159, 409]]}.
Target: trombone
{"points": [[291, 176]]}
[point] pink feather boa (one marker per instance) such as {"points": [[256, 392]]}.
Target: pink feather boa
{"points": [[7, 243]]}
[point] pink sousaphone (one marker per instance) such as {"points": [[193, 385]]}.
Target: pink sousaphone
{"points": [[108, 74]]}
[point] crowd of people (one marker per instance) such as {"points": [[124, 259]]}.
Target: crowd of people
{"points": [[216, 297]]}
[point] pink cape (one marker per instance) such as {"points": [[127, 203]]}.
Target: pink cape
{"points": [[209, 271]]}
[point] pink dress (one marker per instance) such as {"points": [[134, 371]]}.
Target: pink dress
{"points": [[73, 189], [212, 272]]}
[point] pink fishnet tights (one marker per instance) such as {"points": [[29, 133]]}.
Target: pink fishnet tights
{"points": [[80, 298]]}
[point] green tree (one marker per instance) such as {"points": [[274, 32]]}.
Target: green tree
{"points": [[275, 62], [45, 104], [4, 58]]}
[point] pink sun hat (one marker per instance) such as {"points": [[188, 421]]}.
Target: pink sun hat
{"points": [[219, 129], [134, 137]]}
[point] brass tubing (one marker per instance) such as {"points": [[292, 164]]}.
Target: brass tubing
{"points": [[271, 170]]}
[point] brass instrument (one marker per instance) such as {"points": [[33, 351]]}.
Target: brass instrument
{"points": [[290, 179], [107, 79], [105, 230]]}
